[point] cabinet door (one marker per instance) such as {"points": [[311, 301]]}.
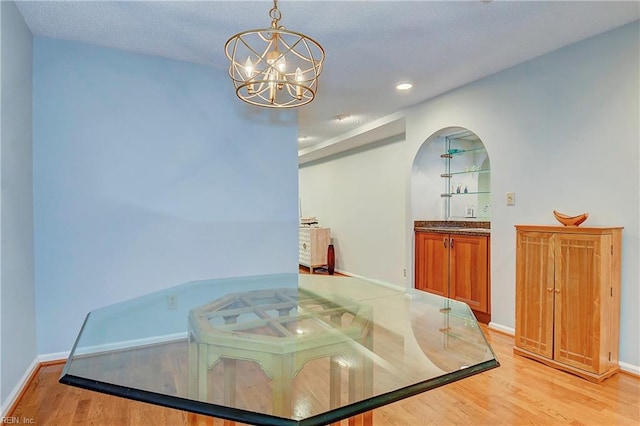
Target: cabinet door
{"points": [[582, 291], [469, 261], [320, 239], [432, 263], [534, 292], [304, 246]]}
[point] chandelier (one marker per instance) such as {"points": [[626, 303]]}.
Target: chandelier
{"points": [[274, 67]]}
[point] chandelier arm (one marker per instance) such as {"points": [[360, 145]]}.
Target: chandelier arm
{"points": [[266, 99], [232, 67], [290, 49], [310, 59], [304, 90], [305, 42], [262, 55], [256, 93]]}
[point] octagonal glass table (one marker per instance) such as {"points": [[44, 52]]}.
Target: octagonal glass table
{"points": [[282, 349]]}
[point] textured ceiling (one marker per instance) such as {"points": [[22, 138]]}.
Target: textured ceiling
{"points": [[370, 45]]}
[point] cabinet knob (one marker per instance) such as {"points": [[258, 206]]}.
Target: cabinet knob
{"points": [[549, 289], [444, 242], [557, 290], [451, 243]]}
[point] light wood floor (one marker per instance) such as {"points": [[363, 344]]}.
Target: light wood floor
{"points": [[520, 391]]}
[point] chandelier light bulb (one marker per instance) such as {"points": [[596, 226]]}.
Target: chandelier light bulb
{"points": [[281, 67], [273, 76], [248, 68], [277, 65], [282, 64], [299, 79]]}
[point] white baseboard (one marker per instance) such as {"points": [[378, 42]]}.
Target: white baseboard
{"points": [[502, 328], [55, 356], [61, 356], [17, 389], [630, 368], [127, 344], [379, 282]]}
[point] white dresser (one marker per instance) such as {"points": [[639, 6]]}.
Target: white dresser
{"points": [[312, 246]]}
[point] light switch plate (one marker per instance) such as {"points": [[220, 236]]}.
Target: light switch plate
{"points": [[511, 198]]}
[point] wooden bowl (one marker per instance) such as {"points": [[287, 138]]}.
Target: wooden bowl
{"points": [[570, 220]]}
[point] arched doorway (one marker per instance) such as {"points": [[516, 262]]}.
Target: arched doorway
{"points": [[450, 202], [451, 177]]}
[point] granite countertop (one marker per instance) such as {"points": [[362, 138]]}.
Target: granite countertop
{"points": [[461, 227]]}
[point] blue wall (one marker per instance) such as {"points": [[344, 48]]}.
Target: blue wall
{"points": [[149, 173], [17, 306]]}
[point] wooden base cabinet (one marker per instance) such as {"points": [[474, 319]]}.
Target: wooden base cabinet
{"points": [[312, 246], [568, 298], [455, 266]]}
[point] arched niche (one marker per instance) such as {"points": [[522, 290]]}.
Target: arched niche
{"points": [[451, 177]]}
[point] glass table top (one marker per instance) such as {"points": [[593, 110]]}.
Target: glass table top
{"points": [[282, 349]]}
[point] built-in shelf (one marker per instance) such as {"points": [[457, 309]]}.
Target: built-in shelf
{"points": [[454, 151], [451, 194], [466, 173], [469, 172]]}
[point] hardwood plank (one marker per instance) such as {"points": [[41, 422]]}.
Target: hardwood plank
{"points": [[520, 391]]}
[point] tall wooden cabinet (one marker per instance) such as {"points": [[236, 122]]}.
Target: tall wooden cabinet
{"points": [[454, 266], [568, 297]]}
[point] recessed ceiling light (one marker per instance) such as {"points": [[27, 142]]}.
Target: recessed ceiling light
{"points": [[343, 117], [404, 86]]}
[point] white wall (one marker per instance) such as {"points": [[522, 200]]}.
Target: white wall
{"points": [[426, 181], [360, 195], [148, 174], [562, 131], [17, 302]]}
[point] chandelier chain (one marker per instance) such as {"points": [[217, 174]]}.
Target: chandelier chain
{"points": [[275, 14]]}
